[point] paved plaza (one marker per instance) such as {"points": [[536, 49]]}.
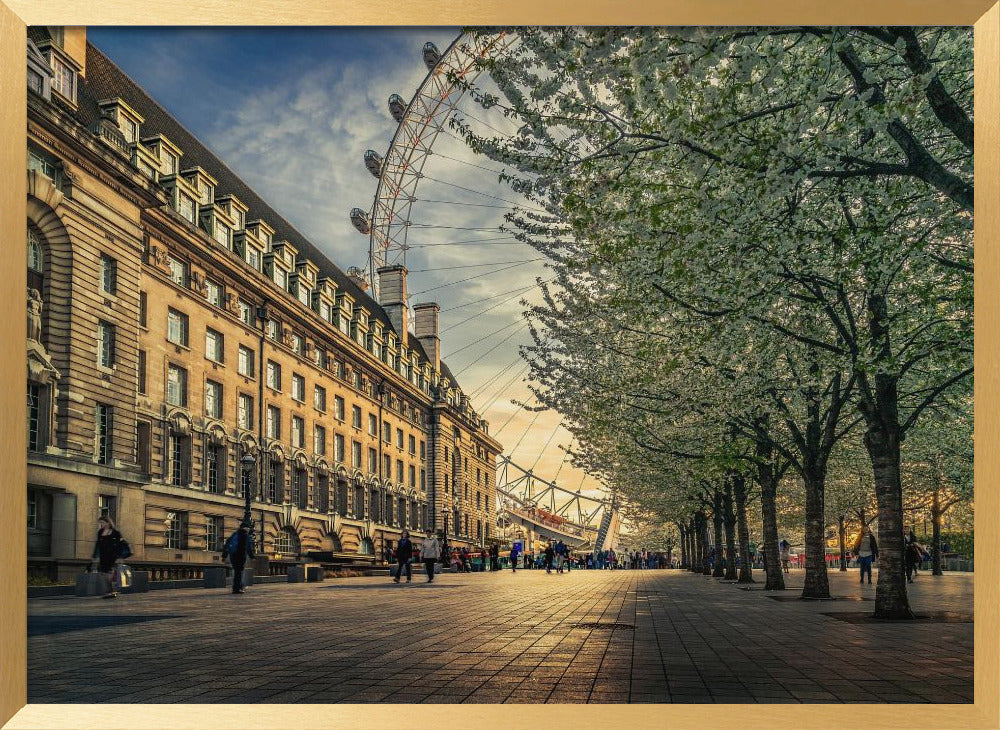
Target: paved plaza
{"points": [[589, 636]]}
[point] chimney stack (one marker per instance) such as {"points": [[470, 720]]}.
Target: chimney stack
{"points": [[392, 297], [425, 327]]}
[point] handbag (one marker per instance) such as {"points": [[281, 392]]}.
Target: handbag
{"points": [[124, 549]]}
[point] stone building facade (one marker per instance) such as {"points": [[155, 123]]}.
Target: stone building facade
{"points": [[178, 324]]}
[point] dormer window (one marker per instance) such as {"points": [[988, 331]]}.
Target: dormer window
{"points": [[64, 78], [168, 164], [223, 234], [43, 163], [281, 277], [130, 129], [253, 258], [185, 206]]}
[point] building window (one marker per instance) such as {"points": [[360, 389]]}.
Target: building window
{"points": [[222, 234], [178, 446], [36, 259], [214, 534], [144, 441], [413, 476], [275, 482], [246, 313], [109, 274], [372, 461], [214, 346], [35, 82], [319, 398], [356, 454], [319, 440], [300, 488], [281, 278], [387, 466], [34, 416], [321, 493], [141, 367], [338, 448], [245, 364], [142, 309], [399, 439], [273, 375], [412, 443], [273, 422], [423, 450], [169, 161], [178, 271], [399, 472], [274, 329], [64, 78], [286, 542], [244, 411], [214, 467], [387, 432], [176, 530], [214, 291], [176, 385], [107, 506], [372, 425], [298, 344], [177, 327], [338, 408], [322, 359], [356, 416], [298, 427], [105, 344], [303, 295], [104, 426], [129, 128], [213, 399], [253, 258], [185, 206], [423, 480], [44, 164], [298, 388]]}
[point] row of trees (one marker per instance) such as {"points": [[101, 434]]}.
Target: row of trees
{"points": [[761, 244]]}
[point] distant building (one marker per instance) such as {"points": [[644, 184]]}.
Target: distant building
{"points": [[176, 322]]}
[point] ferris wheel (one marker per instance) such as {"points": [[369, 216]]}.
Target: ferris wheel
{"points": [[420, 121]]}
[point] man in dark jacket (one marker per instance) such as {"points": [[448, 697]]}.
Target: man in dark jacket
{"points": [[238, 548], [404, 552]]}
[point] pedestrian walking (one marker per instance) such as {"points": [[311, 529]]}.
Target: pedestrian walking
{"points": [[550, 556], [914, 556], [513, 559], [784, 554], [109, 549], [561, 555], [404, 554], [238, 548], [867, 550], [494, 557], [430, 552]]}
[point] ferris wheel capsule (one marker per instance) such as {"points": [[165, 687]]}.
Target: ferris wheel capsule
{"points": [[397, 107], [373, 161], [360, 220], [431, 55]]}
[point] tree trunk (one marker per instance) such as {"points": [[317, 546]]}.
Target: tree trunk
{"points": [[842, 536], [729, 523], [740, 492], [684, 558], [775, 581], [817, 582], [694, 532], [936, 514], [702, 521], [717, 569]]}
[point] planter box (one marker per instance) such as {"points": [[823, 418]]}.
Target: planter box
{"points": [[92, 584], [296, 574], [140, 582], [217, 576], [315, 573]]}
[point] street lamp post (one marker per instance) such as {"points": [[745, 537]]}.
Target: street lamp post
{"points": [[247, 462]]}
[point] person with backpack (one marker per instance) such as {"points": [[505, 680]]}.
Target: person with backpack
{"points": [[109, 549], [238, 548], [430, 552], [513, 559]]}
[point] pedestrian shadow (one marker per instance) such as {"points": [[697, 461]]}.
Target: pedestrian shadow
{"points": [[394, 586]]}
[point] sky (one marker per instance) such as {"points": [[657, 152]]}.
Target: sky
{"points": [[292, 111]]}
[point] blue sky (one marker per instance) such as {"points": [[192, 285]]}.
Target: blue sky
{"points": [[292, 110]]}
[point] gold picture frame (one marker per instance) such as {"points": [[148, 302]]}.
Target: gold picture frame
{"points": [[16, 14]]}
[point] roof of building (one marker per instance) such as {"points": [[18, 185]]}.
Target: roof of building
{"points": [[104, 80]]}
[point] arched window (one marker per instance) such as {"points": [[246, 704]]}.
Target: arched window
{"points": [[367, 547], [286, 542], [36, 258]]}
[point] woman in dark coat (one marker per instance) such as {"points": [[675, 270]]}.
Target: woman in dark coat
{"points": [[107, 548], [404, 552]]}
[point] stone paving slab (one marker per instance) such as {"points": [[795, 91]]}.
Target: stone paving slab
{"points": [[527, 637]]}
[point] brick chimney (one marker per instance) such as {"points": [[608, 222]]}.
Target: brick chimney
{"points": [[425, 327], [392, 297]]}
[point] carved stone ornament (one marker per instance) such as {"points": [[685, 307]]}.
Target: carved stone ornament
{"points": [[34, 316], [248, 446], [158, 257], [216, 435], [199, 283], [180, 424], [232, 303]]}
